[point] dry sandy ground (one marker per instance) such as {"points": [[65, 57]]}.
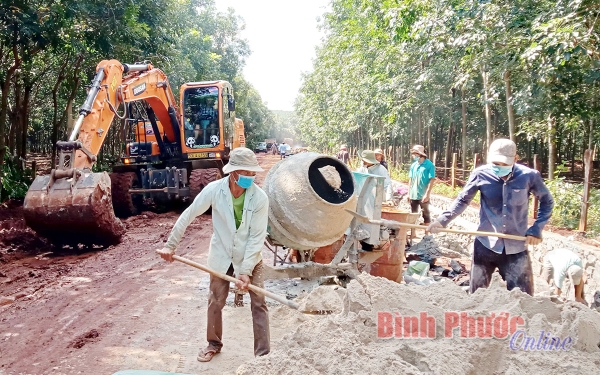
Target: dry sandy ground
{"points": [[114, 309]]}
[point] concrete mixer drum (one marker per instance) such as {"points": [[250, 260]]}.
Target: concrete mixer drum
{"points": [[307, 197]]}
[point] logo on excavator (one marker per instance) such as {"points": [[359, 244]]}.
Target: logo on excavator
{"points": [[113, 84], [137, 90]]}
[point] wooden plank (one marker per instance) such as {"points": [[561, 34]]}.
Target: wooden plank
{"points": [[536, 203], [587, 177]]}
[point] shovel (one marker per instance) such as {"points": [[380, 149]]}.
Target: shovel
{"points": [[392, 224], [254, 288]]}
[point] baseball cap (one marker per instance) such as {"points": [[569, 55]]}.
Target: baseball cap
{"points": [[502, 151]]}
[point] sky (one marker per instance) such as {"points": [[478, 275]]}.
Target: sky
{"points": [[282, 35]]}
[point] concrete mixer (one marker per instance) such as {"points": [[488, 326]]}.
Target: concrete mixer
{"points": [[310, 197]]}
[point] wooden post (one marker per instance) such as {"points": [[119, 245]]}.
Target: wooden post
{"points": [[475, 160], [33, 168], [536, 203], [587, 177], [453, 170]]}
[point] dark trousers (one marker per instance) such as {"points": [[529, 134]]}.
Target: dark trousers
{"points": [[219, 289], [515, 269], [414, 206], [282, 155]]}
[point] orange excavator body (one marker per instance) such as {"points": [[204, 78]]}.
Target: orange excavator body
{"points": [[167, 157]]}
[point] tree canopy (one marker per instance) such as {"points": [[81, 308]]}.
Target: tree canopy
{"points": [[49, 50], [454, 75]]}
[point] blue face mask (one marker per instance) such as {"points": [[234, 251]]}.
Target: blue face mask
{"points": [[244, 181], [416, 158], [502, 170]]}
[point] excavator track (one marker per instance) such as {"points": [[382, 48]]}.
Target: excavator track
{"points": [[199, 178], [125, 204], [73, 211]]}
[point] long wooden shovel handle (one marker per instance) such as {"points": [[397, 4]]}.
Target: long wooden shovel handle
{"points": [[475, 233], [253, 288]]}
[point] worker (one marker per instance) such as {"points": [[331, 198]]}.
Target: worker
{"points": [[505, 187], [372, 166], [343, 154], [560, 264], [239, 216], [381, 157], [283, 148], [421, 178]]}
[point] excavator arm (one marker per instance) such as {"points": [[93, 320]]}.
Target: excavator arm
{"points": [[109, 90]]}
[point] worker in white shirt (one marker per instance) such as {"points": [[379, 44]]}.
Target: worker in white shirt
{"points": [[560, 264], [239, 216], [283, 149]]}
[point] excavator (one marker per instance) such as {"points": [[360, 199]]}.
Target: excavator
{"points": [[172, 150]]}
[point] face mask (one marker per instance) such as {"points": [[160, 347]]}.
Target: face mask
{"points": [[244, 181], [416, 158], [502, 170]]}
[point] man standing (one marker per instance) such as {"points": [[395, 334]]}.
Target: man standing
{"points": [[381, 158], [343, 154], [505, 188], [421, 178], [282, 150], [239, 216], [560, 264]]}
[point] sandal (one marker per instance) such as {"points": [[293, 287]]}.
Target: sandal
{"points": [[207, 354]]}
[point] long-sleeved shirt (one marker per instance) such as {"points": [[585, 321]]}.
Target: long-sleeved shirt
{"points": [[504, 205], [228, 245], [379, 170]]}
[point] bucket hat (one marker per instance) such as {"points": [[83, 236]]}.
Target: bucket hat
{"points": [[369, 157], [243, 159], [418, 149], [379, 151]]}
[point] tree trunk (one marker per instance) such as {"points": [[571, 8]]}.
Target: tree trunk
{"points": [[551, 146], [509, 107], [464, 133], [488, 113]]}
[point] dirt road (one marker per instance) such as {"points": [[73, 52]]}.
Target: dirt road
{"points": [[113, 309]]}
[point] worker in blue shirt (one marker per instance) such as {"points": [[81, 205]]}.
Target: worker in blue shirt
{"points": [[505, 188]]}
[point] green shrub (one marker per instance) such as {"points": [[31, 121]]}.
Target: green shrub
{"points": [[567, 205], [15, 182]]}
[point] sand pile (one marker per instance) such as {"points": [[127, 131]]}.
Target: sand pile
{"points": [[348, 342], [323, 298]]}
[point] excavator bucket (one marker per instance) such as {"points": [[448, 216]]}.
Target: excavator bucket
{"points": [[72, 211]]}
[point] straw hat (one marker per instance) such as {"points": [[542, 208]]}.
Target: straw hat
{"points": [[243, 159], [418, 149], [379, 151], [369, 157]]}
